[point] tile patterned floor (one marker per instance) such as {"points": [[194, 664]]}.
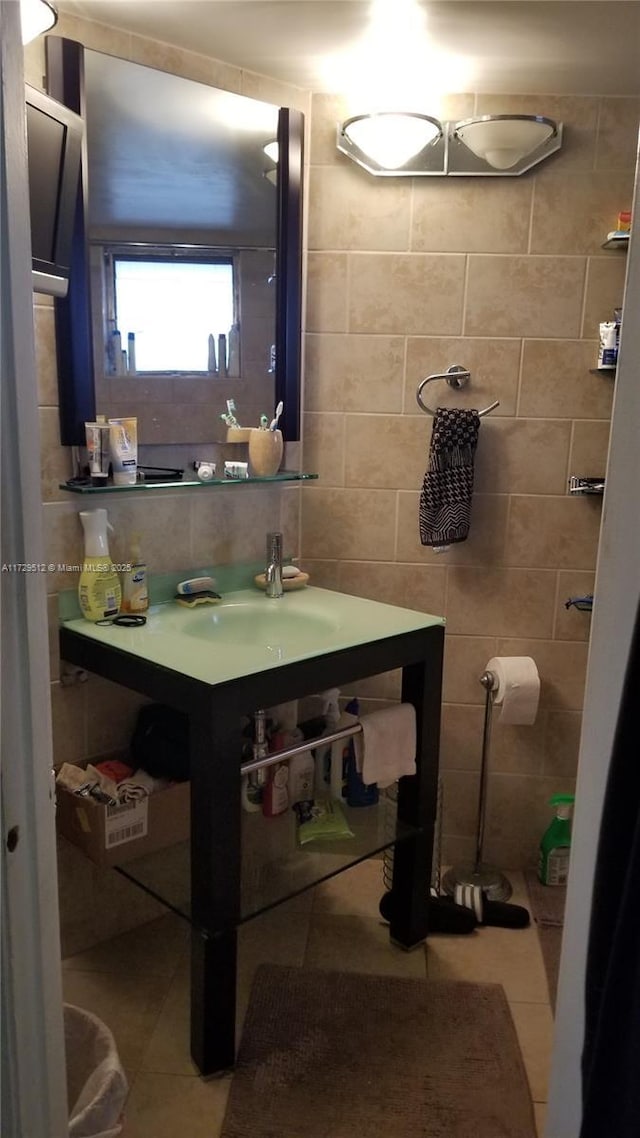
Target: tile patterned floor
{"points": [[138, 983]]}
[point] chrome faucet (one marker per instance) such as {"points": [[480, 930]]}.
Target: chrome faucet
{"points": [[273, 571]]}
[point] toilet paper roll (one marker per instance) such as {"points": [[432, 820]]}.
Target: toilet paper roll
{"points": [[518, 688]]}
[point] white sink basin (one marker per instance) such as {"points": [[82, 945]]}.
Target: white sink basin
{"points": [[263, 623]]}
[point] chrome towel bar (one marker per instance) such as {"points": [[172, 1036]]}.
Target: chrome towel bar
{"points": [[307, 745]]}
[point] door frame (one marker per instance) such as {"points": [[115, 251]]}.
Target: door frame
{"points": [[33, 1060]]}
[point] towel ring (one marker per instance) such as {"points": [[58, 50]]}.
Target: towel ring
{"points": [[457, 377]]}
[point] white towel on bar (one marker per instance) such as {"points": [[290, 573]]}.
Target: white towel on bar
{"points": [[386, 748]]}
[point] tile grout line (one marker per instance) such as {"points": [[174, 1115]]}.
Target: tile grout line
{"points": [[531, 216], [465, 293], [585, 290], [519, 385], [555, 606]]}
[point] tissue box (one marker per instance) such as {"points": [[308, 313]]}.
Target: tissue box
{"points": [[114, 835]]}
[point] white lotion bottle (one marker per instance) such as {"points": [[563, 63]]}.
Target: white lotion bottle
{"points": [[301, 776], [302, 766], [331, 711]]}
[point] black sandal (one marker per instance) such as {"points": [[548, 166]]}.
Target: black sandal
{"points": [[444, 915]]}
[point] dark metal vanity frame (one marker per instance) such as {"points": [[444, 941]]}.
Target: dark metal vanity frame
{"points": [[215, 712]]}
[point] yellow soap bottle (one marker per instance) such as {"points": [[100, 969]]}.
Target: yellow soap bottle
{"points": [[99, 590]]}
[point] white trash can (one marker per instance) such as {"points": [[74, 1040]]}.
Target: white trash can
{"points": [[96, 1083]]}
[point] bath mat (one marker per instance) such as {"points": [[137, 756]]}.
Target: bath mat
{"points": [[344, 1055], [547, 901], [550, 937], [547, 907]]}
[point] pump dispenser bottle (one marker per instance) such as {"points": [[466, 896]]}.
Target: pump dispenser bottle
{"points": [[99, 592]]}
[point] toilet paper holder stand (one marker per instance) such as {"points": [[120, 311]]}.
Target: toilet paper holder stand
{"points": [[494, 884]]}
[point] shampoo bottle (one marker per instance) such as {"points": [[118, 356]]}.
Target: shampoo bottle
{"points": [[331, 712], [233, 351], [301, 772], [275, 798], [553, 865], [359, 793], [99, 592], [135, 595]]}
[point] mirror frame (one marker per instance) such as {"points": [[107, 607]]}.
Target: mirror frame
{"points": [[74, 340]]}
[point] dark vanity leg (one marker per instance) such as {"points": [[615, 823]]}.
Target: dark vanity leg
{"points": [[215, 744], [213, 1000], [418, 800]]}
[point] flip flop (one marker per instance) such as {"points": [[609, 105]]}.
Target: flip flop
{"points": [[499, 914], [444, 915]]}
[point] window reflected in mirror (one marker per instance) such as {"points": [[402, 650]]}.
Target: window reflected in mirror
{"points": [[169, 314]]}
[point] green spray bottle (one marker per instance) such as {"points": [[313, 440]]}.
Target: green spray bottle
{"points": [[553, 865]]}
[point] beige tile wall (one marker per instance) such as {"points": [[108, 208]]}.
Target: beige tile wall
{"points": [[181, 531], [508, 278]]}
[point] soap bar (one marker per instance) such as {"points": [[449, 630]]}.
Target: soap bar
{"points": [[290, 571]]}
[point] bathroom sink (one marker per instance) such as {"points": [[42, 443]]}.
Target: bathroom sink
{"points": [[263, 623], [249, 632]]}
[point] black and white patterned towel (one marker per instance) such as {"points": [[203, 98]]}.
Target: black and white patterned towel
{"points": [[445, 501]]}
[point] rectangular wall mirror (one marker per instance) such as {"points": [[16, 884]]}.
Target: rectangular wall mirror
{"points": [[186, 277]]}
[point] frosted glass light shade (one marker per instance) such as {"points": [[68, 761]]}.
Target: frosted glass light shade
{"points": [[37, 16], [391, 138], [505, 140]]}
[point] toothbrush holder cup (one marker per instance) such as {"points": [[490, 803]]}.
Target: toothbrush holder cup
{"points": [[265, 452]]}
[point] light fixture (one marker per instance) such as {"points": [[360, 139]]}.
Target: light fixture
{"points": [[389, 138], [37, 16], [394, 144], [271, 150], [505, 141]]}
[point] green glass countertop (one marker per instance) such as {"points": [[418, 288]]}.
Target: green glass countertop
{"points": [[249, 632]]}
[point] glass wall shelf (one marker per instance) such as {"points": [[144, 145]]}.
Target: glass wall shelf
{"points": [[274, 866], [580, 485], [192, 484]]}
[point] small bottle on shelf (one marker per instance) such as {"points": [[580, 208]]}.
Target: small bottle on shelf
{"points": [[135, 593]]}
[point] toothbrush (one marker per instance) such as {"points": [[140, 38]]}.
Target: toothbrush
{"points": [[274, 422]]}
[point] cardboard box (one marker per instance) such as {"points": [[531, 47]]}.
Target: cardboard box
{"points": [[114, 835]]}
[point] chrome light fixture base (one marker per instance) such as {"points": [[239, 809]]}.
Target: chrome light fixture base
{"points": [[495, 146]]}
